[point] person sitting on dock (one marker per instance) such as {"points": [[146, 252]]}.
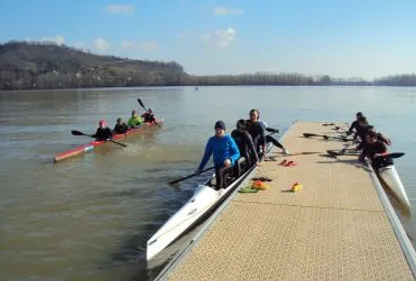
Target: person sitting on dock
{"points": [[257, 132], [121, 127], [225, 152], [374, 149], [103, 132], [354, 125], [134, 120], [149, 116], [245, 143]]}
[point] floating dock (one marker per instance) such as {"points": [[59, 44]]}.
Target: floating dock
{"points": [[339, 226]]}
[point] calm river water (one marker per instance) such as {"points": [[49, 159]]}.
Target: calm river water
{"points": [[88, 218]]}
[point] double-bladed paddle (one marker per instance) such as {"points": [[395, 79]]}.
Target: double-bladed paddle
{"points": [[78, 133], [190, 176], [328, 124], [141, 103]]}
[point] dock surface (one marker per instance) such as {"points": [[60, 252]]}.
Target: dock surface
{"points": [[336, 228]]}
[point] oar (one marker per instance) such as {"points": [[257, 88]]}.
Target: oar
{"points": [[190, 176], [141, 103], [393, 155], [78, 133], [339, 128], [328, 124], [307, 135]]}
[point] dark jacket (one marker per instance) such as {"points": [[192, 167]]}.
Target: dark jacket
{"points": [[103, 134]]}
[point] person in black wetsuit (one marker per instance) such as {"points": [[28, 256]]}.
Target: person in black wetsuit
{"points": [[374, 150], [361, 129], [257, 132], [354, 125], [103, 132], [245, 143], [380, 137], [121, 127], [149, 116]]}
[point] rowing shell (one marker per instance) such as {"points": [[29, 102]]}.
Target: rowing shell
{"points": [[204, 200], [94, 144]]}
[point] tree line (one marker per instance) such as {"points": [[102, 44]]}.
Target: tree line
{"points": [[35, 65]]}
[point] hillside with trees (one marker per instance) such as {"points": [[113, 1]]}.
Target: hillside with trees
{"points": [[40, 65]]}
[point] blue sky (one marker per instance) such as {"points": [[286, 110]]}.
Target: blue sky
{"points": [[366, 38]]}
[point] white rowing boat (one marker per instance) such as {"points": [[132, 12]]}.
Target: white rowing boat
{"points": [[390, 178], [204, 200]]}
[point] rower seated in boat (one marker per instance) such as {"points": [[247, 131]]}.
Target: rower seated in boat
{"points": [[103, 132], [225, 153], [134, 120], [120, 127], [245, 143], [149, 116], [375, 149], [380, 137]]}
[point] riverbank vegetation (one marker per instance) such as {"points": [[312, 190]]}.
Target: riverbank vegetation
{"points": [[31, 65]]}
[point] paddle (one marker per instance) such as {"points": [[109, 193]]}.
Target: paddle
{"points": [[393, 155], [328, 124], [141, 103], [190, 176], [326, 137], [78, 133], [339, 128]]}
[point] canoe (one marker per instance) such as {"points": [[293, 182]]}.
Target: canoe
{"points": [[94, 144], [203, 202], [390, 178]]}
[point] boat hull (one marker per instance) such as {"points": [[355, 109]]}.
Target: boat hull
{"points": [[390, 178], [204, 200], [94, 144]]}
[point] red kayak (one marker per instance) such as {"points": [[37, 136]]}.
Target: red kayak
{"points": [[93, 144]]}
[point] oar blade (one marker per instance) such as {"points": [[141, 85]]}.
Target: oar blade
{"points": [[141, 103], [394, 155], [307, 135], [77, 133]]}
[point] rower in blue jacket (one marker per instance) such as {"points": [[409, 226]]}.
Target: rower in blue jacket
{"points": [[225, 153]]}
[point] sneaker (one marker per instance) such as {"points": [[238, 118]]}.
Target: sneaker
{"points": [[285, 151]]}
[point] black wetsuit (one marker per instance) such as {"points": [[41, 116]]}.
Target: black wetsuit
{"points": [[121, 128], [257, 133], [354, 126], [245, 145], [369, 149], [148, 117], [103, 134]]}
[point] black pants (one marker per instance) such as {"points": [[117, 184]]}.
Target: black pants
{"points": [[220, 174], [274, 141]]}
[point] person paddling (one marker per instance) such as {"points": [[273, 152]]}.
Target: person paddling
{"points": [[134, 120], [103, 132], [149, 116], [255, 129], [224, 150], [245, 143], [121, 127], [375, 149], [354, 125]]}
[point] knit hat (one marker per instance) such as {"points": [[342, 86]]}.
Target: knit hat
{"points": [[220, 125]]}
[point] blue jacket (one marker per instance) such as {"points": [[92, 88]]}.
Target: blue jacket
{"points": [[221, 148]]}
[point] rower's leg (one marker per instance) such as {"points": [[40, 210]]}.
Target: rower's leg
{"points": [[274, 141]]}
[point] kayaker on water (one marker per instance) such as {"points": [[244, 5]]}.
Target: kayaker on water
{"points": [[149, 116], [258, 134], [224, 150], [245, 143], [375, 149], [354, 125], [134, 120], [121, 127], [103, 132]]}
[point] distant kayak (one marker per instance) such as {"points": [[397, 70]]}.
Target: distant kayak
{"points": [[94, 144]]}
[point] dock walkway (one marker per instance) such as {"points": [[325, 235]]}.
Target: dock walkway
{"points": [[340, 226]]}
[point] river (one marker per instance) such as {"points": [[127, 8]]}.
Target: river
{"points": [[88, 218]]}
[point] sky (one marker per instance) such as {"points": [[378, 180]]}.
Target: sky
{"points": [[340, 38]]}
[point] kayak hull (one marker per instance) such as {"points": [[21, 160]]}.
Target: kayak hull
{"points": [[390, 178], [94, 144], [204, 200]]}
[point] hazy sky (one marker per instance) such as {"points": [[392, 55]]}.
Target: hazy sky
{"points": [[350, 38]]}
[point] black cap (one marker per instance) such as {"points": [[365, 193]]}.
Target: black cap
{"points": [[220, 125]]}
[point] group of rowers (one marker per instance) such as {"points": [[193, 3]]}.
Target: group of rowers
{"points": [[372, 144], [105, 133], [246, 144]]}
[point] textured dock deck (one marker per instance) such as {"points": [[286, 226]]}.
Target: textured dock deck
{"points": [[336, 228]]}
